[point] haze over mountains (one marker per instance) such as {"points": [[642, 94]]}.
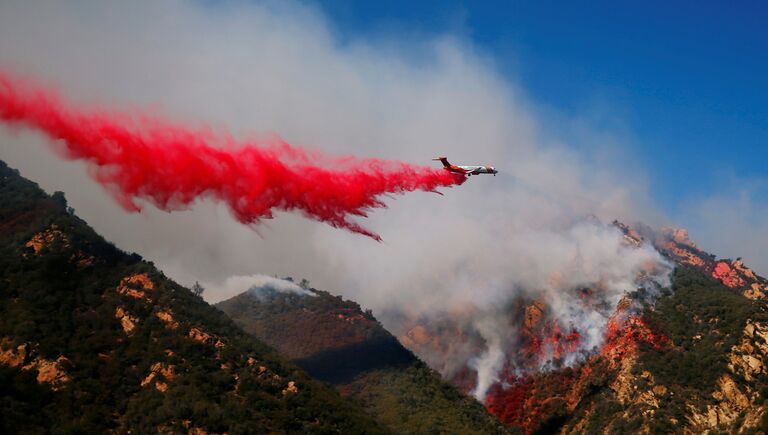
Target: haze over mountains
{"points": [[551, 298], [95, 339], [404, 98], [689, 356]]}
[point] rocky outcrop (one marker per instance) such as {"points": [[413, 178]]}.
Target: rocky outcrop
{"points": [[737, 407], [727, 275], [160, 374], [166, 316], [127, 321], [679, 235], [201, 336], [52, 235], [637, 393], [739, 266], [756, 291], [733, 274], [676, 243], [291, 388], [136, 286], [748, 358], [51, 372], [46, 238], [198, 334], [631, 236], [757, 287], [731, 403], [13, 356]]}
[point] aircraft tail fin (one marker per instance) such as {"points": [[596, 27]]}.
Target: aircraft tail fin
{"points": [[443, 160]]}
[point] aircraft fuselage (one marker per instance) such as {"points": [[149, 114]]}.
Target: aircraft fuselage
{"points": [[466, 170]]}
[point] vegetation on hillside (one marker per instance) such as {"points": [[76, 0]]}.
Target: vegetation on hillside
{"points": [[704, 320], [334, 340], [93, 339]]}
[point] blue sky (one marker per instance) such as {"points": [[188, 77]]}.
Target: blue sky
{"points": [[689, 80], [681, 91]]}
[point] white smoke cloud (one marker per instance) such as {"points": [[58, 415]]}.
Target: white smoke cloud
{"points": [[277, 67], [543, 264], [258, 285], [491, 361]]}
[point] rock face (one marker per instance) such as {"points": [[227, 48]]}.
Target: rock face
{"points": [[727, 275], [676, 244], [200, 336], [160, 374], [136, 286], [51, 372], [46, 238], [738, 407], [127, 321], [166, 316], [734, 274]]}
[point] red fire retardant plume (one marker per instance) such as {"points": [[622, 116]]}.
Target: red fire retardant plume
{"points": [[137, 156]]}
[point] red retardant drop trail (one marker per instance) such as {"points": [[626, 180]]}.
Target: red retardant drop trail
{"points": [[138, 156]]}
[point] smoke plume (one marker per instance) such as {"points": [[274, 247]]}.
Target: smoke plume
{"points": [[147, 157], [541, 299], [260, 286], [469, 262]]}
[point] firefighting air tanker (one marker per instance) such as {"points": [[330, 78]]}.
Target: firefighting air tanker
{"points": [[466, 170]]}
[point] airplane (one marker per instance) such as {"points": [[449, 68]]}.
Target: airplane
{"points": [[467, 170]]}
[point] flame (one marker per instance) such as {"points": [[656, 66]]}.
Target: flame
{"points": [[525, 398]]}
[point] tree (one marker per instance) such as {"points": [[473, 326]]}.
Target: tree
{"points": [[197, 289], [60, 200]]}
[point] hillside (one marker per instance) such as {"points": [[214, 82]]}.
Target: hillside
{"points": [[693, 359], [94, 340], [335, 341]]}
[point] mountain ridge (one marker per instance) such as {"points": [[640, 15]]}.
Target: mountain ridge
{"points": [[689, 358], [93, 339], [334, 340]]}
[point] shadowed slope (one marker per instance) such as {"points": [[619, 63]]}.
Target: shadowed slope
{"points": [[334, 340]]}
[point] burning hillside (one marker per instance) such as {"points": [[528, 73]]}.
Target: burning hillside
{"points": [[537, 362], [560, 325]]}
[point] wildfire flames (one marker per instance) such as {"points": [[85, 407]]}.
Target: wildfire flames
{"points": [[522, 399], [555, 343]]}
